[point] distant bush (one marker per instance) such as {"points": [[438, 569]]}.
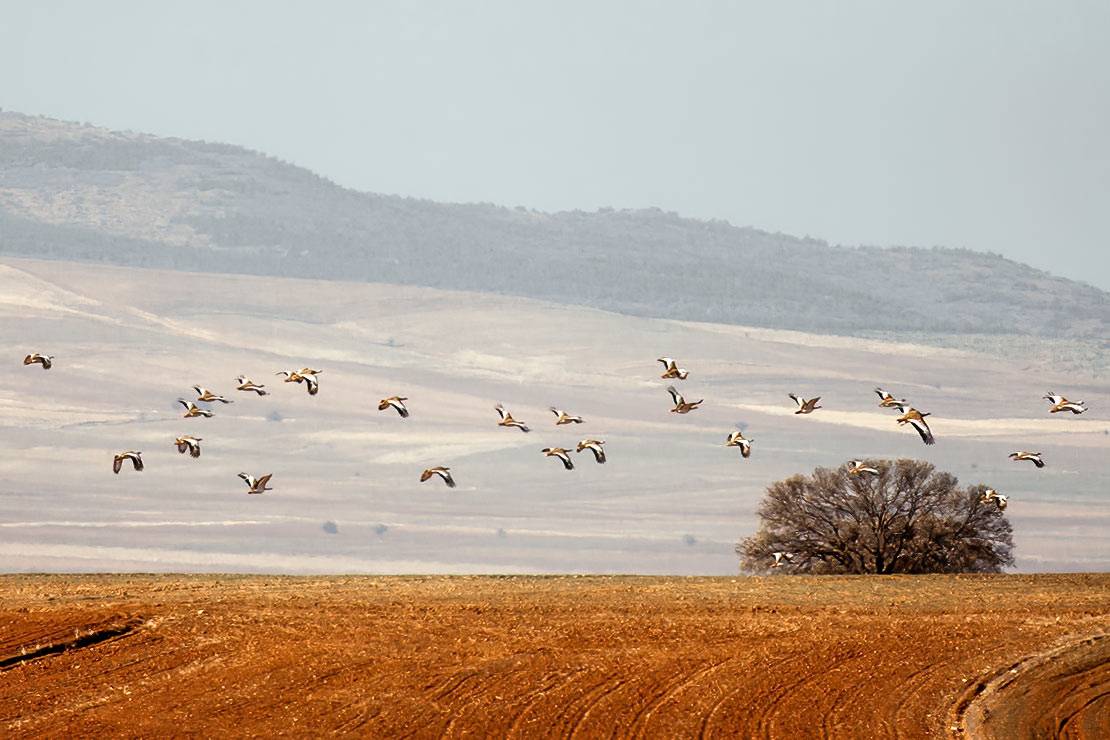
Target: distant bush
{"points": [[330, 527], [908, 519]]}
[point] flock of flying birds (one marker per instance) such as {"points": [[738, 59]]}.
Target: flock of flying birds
{"points": [[188, 444]]}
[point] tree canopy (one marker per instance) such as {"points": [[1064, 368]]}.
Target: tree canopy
{"points": [[909, 518]]}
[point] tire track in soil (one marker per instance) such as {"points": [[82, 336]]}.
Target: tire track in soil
{"points": [[1019, 698], [770, 710], [535, 697], [707, 719], [568, 721], [638, 726]]}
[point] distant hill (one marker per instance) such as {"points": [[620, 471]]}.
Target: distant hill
{"points": [[73, 191]]}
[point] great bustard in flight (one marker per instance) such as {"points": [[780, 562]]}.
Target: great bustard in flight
{"points": [[47, 361], [136, 459], [916, 419], [507, 419], [562, 417], [1033, 457], [856, 467], [805, 405], [398, 404], [681, 406], [246, 384], [305, 375], [256, 485], [191, 409], [671, 369], [442, 472], [888, 401], [203, 394], [991, 496], [297, 376], [1059, 403], [737, 439], [560, 453], [779, 557], [185, 443], [593, 445]]}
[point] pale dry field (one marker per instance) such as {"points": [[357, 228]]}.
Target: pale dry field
{"points": [[671, 499]]}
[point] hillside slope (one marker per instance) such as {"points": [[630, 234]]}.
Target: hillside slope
{"points": [[78, 192]]}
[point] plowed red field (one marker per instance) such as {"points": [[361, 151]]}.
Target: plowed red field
{"points": [[782, 657]]}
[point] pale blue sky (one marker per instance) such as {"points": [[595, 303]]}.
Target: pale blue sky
{"points": [[984, 125]]}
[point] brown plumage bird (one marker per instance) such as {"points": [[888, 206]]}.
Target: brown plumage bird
{"points": [[1059, 403], [203, 394], [857, 468], [737, 439], [136, 459], [561, 453], [185, 443], [397, 403], [507, 419], [243, 383], [681, 406], [256, 485], [1033, 457], [191, 409], [562, 417], [805, 405], [442, 472], [991, 496], [47, 361], [595, 446], [671, 370], [916, 419], [887, 401]]}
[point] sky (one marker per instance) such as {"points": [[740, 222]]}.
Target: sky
{"points": [[983, 125]]}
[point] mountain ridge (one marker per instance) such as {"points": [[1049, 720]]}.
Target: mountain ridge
{"points": [[74, 191]]}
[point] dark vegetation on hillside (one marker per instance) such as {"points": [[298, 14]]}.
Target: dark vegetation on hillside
{"points": [[76, 192]]}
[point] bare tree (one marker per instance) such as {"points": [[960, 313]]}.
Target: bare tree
{"points": [[907, 519]]}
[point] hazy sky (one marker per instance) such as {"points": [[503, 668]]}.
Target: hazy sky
{"points": [[984, 125]]}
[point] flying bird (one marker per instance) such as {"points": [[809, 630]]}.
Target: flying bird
{"points": [[737, 439], [191, 409], [246, 384], [680, 404], [560, 453], [991, 496], [888, 401], [185, 443], [856, 467], [779, 557], [507, 419], [1059, 403], [594, 446], [136, 459], [562, 417], [442, 472], [308, 371], [671, 369], [256, 485], [805, 405], [47, 361], [296, 376], [1033, 457], [203, 394], [916, 419], [397, 402]]}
